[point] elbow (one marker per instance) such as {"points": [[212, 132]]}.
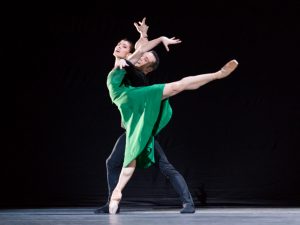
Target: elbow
{"points": [[140, 50]]}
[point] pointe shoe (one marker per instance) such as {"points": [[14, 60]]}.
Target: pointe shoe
{"points": [[114, 202], [227, 69], [105, 209]]}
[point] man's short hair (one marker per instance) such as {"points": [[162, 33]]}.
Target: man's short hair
{"points": [[155, 64]]}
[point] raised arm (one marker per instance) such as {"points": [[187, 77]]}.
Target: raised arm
{"points": [[145, 47], [142, 28]]}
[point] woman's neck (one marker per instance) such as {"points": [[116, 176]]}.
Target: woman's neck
{"points": [[117, 60]]}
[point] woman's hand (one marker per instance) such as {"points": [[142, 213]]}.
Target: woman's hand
{"points": [[169, 41], [142, 28]]}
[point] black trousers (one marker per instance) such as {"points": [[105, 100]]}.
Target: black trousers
{"points": [[115, 161]]}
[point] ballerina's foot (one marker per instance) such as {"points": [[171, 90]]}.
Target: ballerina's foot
{"points": [[227, 69], [114, 201]]}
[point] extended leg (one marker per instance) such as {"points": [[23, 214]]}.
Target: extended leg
{"points": [[194, 82]]}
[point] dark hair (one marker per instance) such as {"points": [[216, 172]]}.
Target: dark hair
{"points": [[156, 63], [131, 50]]}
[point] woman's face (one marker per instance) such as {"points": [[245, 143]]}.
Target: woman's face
{"points": [[122, 49]]}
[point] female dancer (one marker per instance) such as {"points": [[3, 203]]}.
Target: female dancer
{"points": [[146, 110]]}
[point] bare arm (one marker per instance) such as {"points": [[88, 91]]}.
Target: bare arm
{"points": [[142, 28], [150, 45]]}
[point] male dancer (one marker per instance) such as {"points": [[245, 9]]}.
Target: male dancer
{"points": [[136, 76]]}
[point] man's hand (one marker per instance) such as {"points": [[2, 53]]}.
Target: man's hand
{"points": [[142, 28], [122, 63]]}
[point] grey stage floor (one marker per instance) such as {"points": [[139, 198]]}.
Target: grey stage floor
{"points": [[139, 216]]}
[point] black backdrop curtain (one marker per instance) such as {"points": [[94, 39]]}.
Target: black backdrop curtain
{"points": [[235, 140]]}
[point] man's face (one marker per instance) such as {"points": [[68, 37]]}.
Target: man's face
{"points": [[146, 61]]}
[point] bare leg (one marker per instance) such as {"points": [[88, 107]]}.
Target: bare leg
{"points": [[194, 82], [125, 175]]}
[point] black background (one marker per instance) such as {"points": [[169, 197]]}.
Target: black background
{"points": [[236, 138]]}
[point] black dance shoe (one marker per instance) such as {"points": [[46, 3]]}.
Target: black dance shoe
{"points": [[188, 208]]}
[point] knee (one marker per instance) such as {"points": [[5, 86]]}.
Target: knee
{"points": [[110, 163], [167, 169], [128, 171]]}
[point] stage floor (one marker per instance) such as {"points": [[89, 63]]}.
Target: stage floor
{"points": [[146, 216]]}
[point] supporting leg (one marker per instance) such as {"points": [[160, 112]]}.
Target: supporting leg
{"points": [[126, 174]]}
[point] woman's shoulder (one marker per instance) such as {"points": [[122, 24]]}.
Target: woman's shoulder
{"points": [[117, 70]]}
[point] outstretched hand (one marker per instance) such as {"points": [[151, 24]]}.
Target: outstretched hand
{"points": [[141, 27], [170, 41]]}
